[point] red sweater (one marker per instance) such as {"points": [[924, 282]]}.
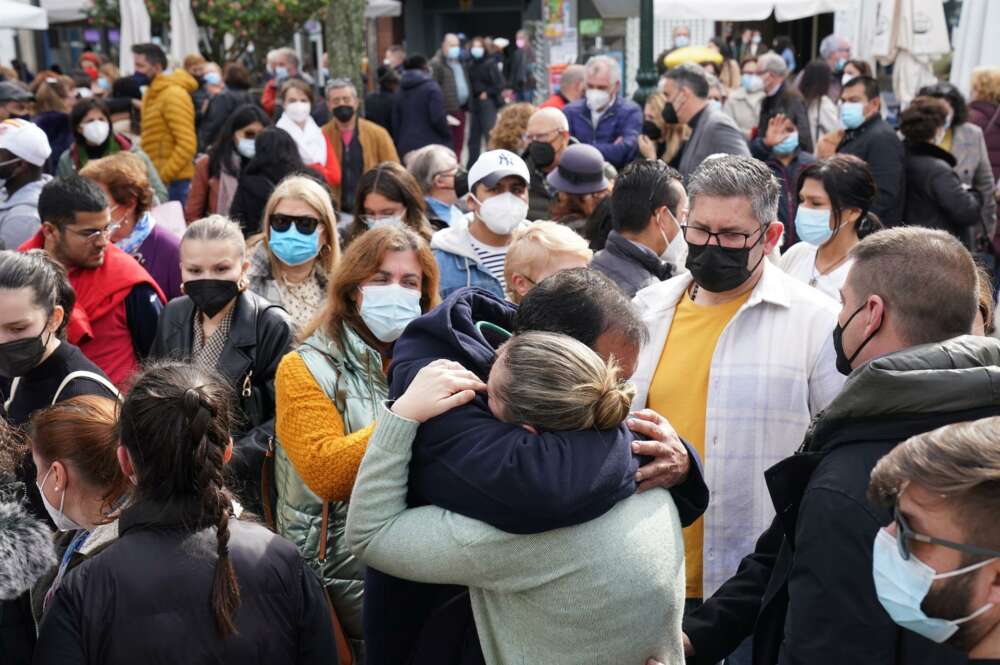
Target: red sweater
{"points": [[98, 324]]}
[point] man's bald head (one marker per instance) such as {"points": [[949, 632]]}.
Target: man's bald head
{"points": [[547, 126], [548, 119]]}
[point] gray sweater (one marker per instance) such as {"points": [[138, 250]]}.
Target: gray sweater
{"points": [[607, 591], [19, 218]]}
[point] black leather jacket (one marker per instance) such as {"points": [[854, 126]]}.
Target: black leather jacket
{"points": [[260, 336]]}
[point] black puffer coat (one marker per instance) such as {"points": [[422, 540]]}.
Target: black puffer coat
{"points": [[934, 193]]}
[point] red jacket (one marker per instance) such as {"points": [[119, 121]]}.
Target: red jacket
{"points": [[269, 97], [98, 324], [330, 170], [556, 101]]}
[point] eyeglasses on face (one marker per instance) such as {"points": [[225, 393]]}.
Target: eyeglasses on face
{"points": [[305, 224], [91, 235], [904, 534], [695, 235]]}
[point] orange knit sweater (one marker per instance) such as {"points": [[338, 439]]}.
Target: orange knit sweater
{"points": [[311, 431]]}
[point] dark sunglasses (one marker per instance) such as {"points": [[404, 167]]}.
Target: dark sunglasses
{"points": [[904, 534], [304, 223]]}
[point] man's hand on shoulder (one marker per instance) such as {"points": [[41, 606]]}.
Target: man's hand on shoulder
{"points": [[671, 462]]}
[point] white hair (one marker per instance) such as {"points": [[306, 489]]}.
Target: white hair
{"points": [[336, 84], [830, 44], [428, 162], [599, 62], [772, 62], [289, 53]]}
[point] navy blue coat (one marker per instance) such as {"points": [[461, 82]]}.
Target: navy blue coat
{"points": [[418, 115], [468, 462]]}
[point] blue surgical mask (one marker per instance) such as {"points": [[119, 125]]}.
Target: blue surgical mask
{"points": [[213, 78], [246, 147], [715, 104], [787, 146], [292, 247], [812, 225], [751, 83], [388, 309], [281, 72], [476, 52], [841, 63], [103, 83], [903, 584], [852, 114], [454, 52], [681, 41]]}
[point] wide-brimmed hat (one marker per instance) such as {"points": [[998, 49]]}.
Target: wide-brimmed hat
{"points": [[580, 171]]}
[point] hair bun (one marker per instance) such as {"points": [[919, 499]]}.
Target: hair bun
{"points": [[613, 404]]}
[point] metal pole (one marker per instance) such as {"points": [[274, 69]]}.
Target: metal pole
{"points": [[646, 77]]}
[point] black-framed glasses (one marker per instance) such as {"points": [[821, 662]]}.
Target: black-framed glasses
{"points": [[91, 235], [695, 235], [305, 224], [904, 534]]}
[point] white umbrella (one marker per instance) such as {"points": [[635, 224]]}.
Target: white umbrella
{"points": [[18, 15], [379, 8], [745, 10], [976, 42], [909, 33], [134, 30], [183, 30]]}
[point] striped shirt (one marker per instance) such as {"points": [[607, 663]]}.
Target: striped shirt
{"points": [[492, 258]]}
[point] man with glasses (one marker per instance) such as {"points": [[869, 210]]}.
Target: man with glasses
{"points": [[118, 304], [739, 359], [547, 137], [806, 593], [942, 489]]}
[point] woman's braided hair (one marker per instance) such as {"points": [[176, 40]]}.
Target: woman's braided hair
{"points": [[175, 423]]}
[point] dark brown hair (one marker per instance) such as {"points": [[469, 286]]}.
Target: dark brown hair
{"points": [[849, 183], [80, 432], [299, 85], [923, 118], [395, 183], [175, 424]]}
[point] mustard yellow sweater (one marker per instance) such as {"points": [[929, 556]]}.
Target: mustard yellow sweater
{"points": [[311, 431]]}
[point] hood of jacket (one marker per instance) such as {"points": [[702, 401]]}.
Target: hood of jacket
{"points": [[26, 548], [414, 78], [27, 195], [449, 331], [455, 240], [960, 374], [178, 77]]}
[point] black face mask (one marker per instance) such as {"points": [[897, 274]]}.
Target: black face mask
{"points": [[343, 113], [141, 79], [669, 114], [718, 269], [843, 362], [650, 129], [542, 154], [211, 295], [19, 357]]}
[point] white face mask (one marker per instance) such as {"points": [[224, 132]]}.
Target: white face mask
{"points": [[378, 221], [502, 213], [677, 249], [298, 111], [59, 518], [96, 132], [597, 100], [246, 147]]}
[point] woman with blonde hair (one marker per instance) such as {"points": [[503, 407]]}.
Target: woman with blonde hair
{"points": [[610, 590], [659, 140], [508, 132], [328, 393], [291, 261], [538, 250]]}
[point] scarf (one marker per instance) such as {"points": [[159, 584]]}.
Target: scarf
{"points": [[131, 243], [310, 139], [112, 146]]}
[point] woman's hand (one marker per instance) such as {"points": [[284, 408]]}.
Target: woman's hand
{"points": [[437, 387], [647, 148]]}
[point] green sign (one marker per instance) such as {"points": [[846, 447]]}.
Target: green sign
{"points": [[591, 26]]}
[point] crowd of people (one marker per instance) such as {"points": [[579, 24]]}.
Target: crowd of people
{"points": [[430, 374]]}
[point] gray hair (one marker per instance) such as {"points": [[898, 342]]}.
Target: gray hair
{"points": [[830, 44], [216, 227], [772, 62], [599, 62], [572, 75], [735, 176], [336, 84], [289, 53], [714, 82], [690, 77], [427, 162]]}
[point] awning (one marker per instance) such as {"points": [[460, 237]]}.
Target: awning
{"points": [[66, 11], [20, 15], [725, 10], [380, 8]]}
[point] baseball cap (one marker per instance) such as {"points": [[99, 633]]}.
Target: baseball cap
{"points": [[25, 140], [495, 165], [11, 92]]}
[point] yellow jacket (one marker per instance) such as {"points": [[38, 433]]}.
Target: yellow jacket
{"points": [[311, 431], [168, 135]]}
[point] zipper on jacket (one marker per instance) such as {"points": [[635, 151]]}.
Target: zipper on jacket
{"points": [[247, 386]]}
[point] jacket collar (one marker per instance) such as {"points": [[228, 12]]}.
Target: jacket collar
{"points": [[863, 127], [237, 355], [146, 513], [622, 247], [960, 374], [924, 149]]}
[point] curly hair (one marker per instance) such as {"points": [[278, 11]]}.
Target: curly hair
{"points": [[921, 120], [508, 133], [986, 84]]}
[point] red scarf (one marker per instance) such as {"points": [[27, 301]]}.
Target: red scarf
{"points": [[99, 290]]}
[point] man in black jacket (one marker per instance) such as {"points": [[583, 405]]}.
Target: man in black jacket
{"points": [[782, 97], [870, 138], [806, 593]]}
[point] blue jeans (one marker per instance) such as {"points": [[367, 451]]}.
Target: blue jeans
{"points": [[178, 190]]}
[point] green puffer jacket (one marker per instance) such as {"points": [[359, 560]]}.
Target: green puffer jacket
{"points": [[352, 377]]}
